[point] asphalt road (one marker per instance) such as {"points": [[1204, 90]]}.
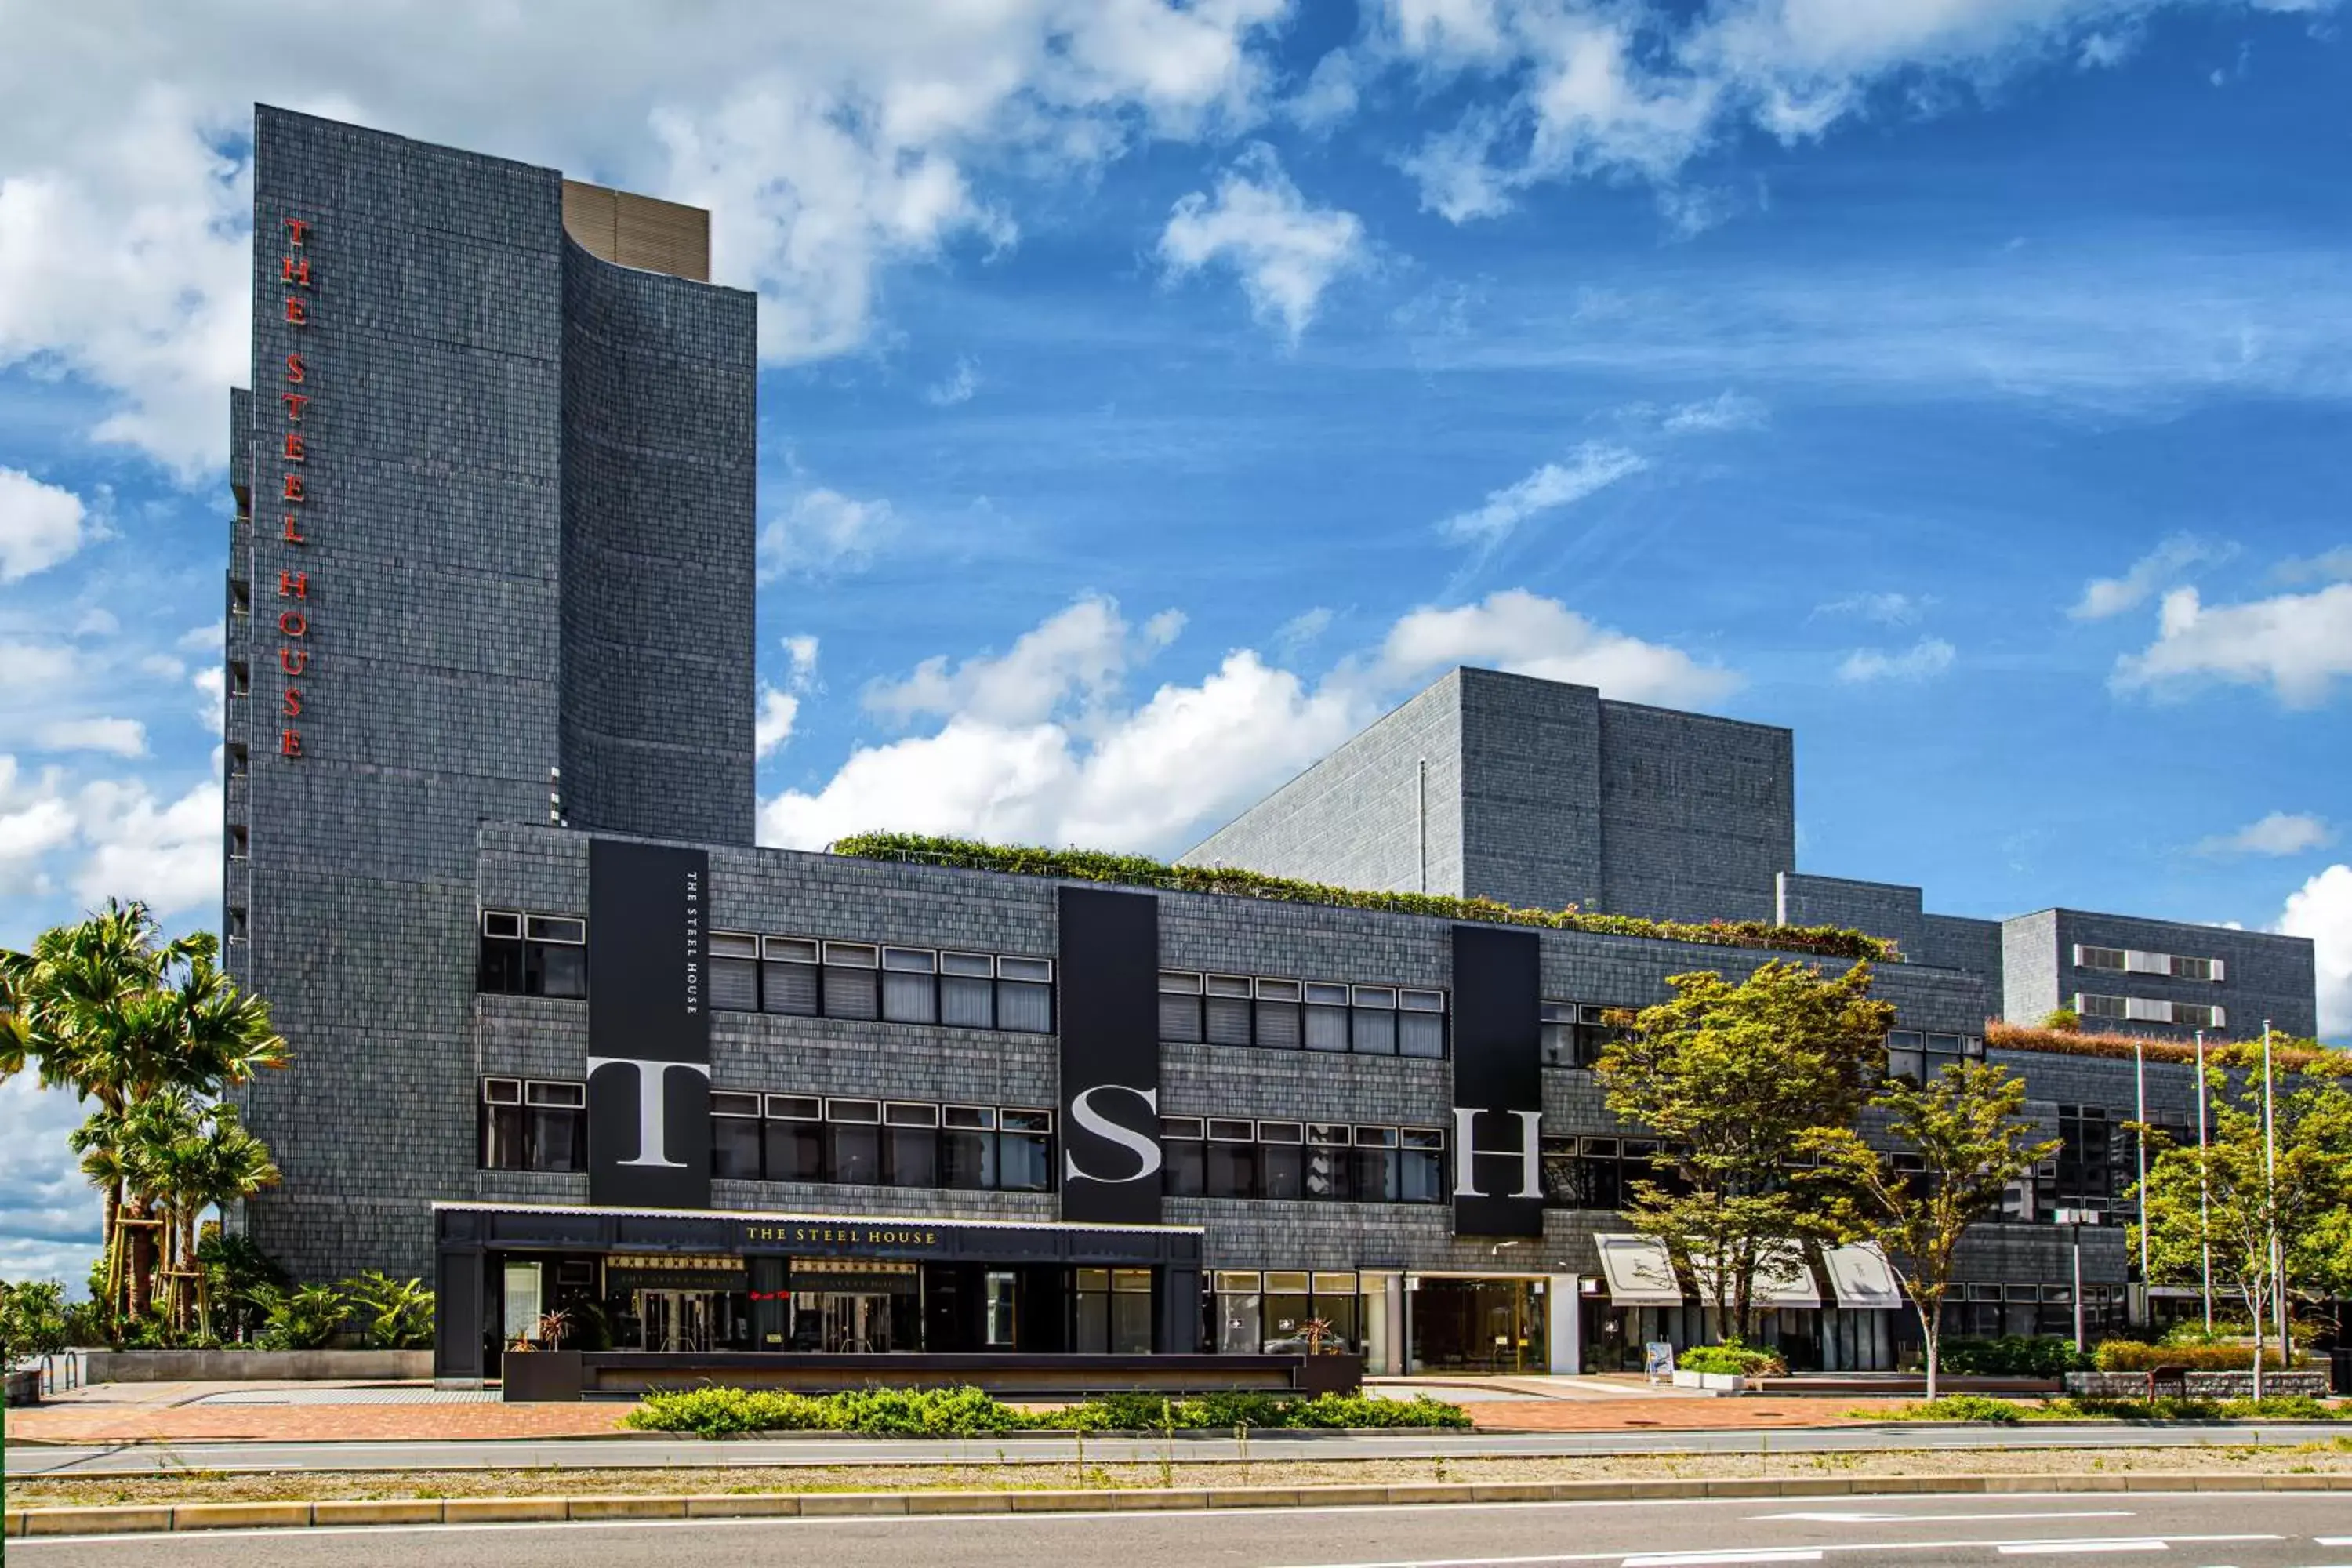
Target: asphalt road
{"points": [[578, 1453], [2257, 1530]]}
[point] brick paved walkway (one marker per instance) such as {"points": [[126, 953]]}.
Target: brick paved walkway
{"points": [[1667, 1415]]}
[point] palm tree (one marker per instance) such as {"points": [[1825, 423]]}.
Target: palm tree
{"points": [[229, 1165], [108, 1009]]}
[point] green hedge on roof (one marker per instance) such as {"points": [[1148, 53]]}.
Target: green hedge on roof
{"points": [[1141, 872]]}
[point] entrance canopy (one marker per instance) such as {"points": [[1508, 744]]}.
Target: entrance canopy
{"points": [[1640, 1272], [1861, 1278], [1783, 1278]]}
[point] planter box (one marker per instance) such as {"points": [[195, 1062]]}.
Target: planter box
{"points": [[257, 1366], [1719, 1381], [1331, 1374], [23, 1387], [539, 1377]]}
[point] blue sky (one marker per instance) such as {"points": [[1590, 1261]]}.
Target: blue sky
{"points": [[1152, 393]]}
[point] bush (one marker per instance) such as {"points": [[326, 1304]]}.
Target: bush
{"points": [[1957, 1407], [1734, 1358], [2278, 1407], [969, 1412], [302, 1319], [397, 1313], [2133, 1355], [32, 1319], [1345, 1410], [2164, 1408], [2011, 1355]]}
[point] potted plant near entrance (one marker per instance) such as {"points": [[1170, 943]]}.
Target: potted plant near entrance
{"points": [[538, 1369], [1329, 1367], [1728, 1368]]}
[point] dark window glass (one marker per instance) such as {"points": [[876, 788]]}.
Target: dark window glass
{"points": [[500, 972], [503, 1147], [852, 1153], [1229, 1020], [909, 998], [1326, 1028], [967, 1002], [850, 993], [559, 1139], [1421, 1033], [787, 987], [1285, 1321], [1277, 1024], [1560, 1189], [968, 1160], [1282, 1170], [1232, 1170], [1326, 1174], [1376, 1031], [1026, 1005], [1025, 1162], [735, 1147], [1422, 1175], [1179, 1018], [914, 1157], [1184, 1172], [795, 1151], [1377, 1176], [735, 975]]}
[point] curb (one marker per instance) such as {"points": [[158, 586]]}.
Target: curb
{"points": [[177, 1517]]}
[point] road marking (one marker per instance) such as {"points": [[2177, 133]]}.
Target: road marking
{"points": [[2071, 1548], [1858, 1518], [1679, 1558]]}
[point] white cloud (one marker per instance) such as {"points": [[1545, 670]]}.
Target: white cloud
{"points": [[35, 819], [1075, 654], [958, 387], [773, 722], [40, 525], [2280, 833], [1727, 410], [122, 737], [1301, 631], [212, 684], [2102, 51], [2327, 566], [206, 639], [1329, 94], [823, 529], [800, 649], [1888, 609], [1927, 657], [49, 1212], [831, 144], [2297, 643], [27, 667], [2322, 910], [1285, 252], [167, 853], [1593, 467], [2104, 596], [1528, 635]]}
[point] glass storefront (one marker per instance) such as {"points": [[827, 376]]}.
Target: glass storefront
{"points": [[1279, 1312], [1478, 1324]]}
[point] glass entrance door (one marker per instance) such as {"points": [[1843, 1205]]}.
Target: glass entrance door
{"points": [[854, 1322], [680, 1320], [1479, 1325]]}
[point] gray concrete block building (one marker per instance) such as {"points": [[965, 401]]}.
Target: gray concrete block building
{"points": [[564, 1039]]}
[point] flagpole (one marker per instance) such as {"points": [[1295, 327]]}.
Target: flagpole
{"points": [[2204, 1189], [2139, 1147]]}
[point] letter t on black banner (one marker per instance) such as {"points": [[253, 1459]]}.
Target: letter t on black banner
{"points": [[1498, 1082], [1111, 1056], [648, 1026]]}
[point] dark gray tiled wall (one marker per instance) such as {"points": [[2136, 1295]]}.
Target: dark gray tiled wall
{"points": [[1698, 813], [2265, 975]]}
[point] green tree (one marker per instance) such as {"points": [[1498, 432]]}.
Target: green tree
{"points": [[112, 1010], [32, 1319], [2233, 1195], [1967, 1132], [397, 1313], [1735, 1079]]}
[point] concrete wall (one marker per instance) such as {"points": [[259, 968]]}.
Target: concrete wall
{"points": [[2264, 976], [256, 1366], [1698, 813], [1882, 908]]}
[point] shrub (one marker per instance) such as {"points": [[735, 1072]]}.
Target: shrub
{"points": [[2011, 1355], [2278, 1407], [2163, 1408], [2132, 1355], [396, 1313], [1344, 1410], [32, 1319], [301, 1319], [875, 1412], [1732, 1357], [1956, 1407], [1138, 870]]}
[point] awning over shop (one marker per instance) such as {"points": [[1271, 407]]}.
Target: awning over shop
{"points": [[1860, 1277], [1640, 1272], [1782, 1279]]}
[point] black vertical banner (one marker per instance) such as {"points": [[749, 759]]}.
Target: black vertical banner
{"points": [[1111, 1056], [648, 1026], [1498, 1082]]}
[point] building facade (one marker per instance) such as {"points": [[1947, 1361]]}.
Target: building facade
{"points": [[565, 1041]]}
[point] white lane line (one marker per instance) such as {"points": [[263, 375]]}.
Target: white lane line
{"points": [[1681, 1559], [1857, 1517], [2073, 1548]]}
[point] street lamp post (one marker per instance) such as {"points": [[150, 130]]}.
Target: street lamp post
{"points": [[2139, 1149], [2270, 1183], [2074, 1220], [2204, 1190]]}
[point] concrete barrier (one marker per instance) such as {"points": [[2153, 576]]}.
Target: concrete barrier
{"points": [[2311, 1381], [259, 1366]]}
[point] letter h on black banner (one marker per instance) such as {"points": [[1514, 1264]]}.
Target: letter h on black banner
{"points": [[1498, 1082]]}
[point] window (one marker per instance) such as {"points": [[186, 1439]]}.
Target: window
{"points": [[1183, 1161], [735, 1135], [1558, 1032], [1114, 1310], [533, 1125], [852, 1142], [968, 1148], [239, 842], [1024, 994], [1378, 1175], [788, 976], [532, 956], [1327, 1018], [1180, 1006], [968, 990], [2091, 1006], [734, 972], [1229, 1010], [1421, 1023], [1421, 1161], [2133, 961], [1327, 1163], [1374, 1025], [1279, 1021], [997, 1312], [2093, 1152], [1282, 1162], [240, 679], [849, 986], [911, 992], [1920, 1055], [795, 1138], [2197, 1016], [1232, 1159], [1025, 1151], [911, 1144], [2113, 958], [2197, 969], [1239, 1329]]}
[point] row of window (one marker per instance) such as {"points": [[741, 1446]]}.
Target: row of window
{"points": [[1920, 1055], [524, 954], [2151, 1010], [804, 977], [880, 1143], [1219, 1157], [1575, 1033], [1289, 1015], [2132, 960]]}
